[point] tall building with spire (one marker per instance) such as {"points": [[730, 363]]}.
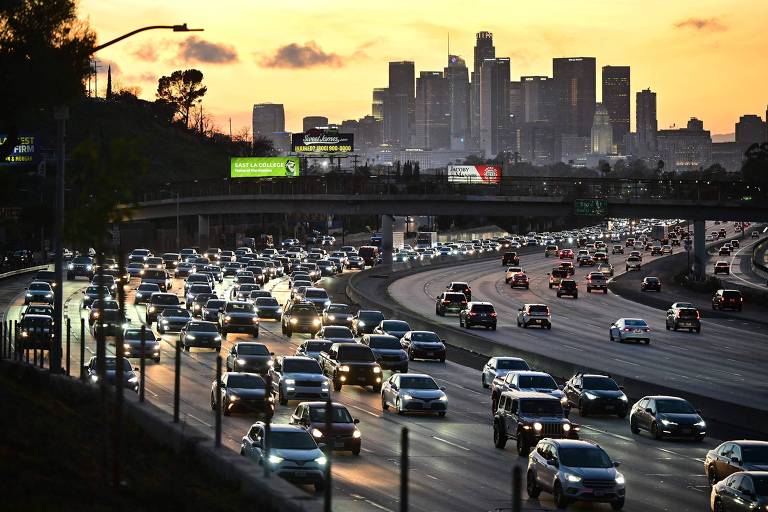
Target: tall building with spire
{"points": [[457, 76], [484, 49]]}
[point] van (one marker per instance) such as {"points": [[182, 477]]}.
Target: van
{"points": [[369, 254]]}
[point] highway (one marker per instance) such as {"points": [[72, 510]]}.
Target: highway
{"points": [[453, 453]]}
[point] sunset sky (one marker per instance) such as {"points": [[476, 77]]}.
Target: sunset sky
{"points": [[704, 58]]}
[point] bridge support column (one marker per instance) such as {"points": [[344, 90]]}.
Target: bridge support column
{"points": [[203, 231], [699, 250], [387, 222]]}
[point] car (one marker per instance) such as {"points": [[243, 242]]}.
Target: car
{"points": [[683, 318], [355, 262], [500, 367], [351, 364], [568, 267], [212, 309], [81, 266], [650, 283], [199, 302], [510, 258], [630, 329], [633, 263], [184, 269], [600, 257], [534, 314], [551, 250], [667, 416], [130, 379], [388, 351], [478, 313], [568, 287], [566, 254], [746, 490], [586, 260], [93, 293], [728, 299], [345, 435], [519, 280], [292, 454], [41, 309], [365, 321], [755, 234], [556, 275], [656, 250], [666, 249], [724, 251], [300, 317], [396, 328], [241, 391], [606, 269], [111, 322], [158, 302], [38, 291], [249, 357], [450, 302], [267, 307], [239, 316], [597, 281], [574, 470], [722, 267], [734, 456], [201, 334], [298, 378], [244, 291], [527, 380], [144, 291], [593, 393], [413, 392], [460, 286], [337, 314], [336, 334], [617, 249], [132, 344], [172, 320], [527, 417], [35, 331], [423, 345], [312, 348]]}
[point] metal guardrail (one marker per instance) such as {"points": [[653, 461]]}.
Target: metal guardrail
{"points": [[760, 248], [558, 187]]}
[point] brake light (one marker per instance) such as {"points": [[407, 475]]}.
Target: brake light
{"points": [[464, 302], [627, 329], [493, 314], [647, 329], [472, 313], [446, 302], [698, 316]]}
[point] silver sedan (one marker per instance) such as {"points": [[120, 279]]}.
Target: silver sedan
{"points": [[413, 392], [630, 329]]}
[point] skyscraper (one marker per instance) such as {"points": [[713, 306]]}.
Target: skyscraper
{"points": [[602, 131], [457, 76], [616, 82], [377, 105], [268, 119], [494, 105], [646, 123], [310, 122], [749, 130], [432, 127], [400, 104], [575, 81], [484, 49], [538, 98]]}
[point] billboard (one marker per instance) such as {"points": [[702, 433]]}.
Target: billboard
{"points": [[479, 174], [23, 153], [319, 140], [264, 167]]}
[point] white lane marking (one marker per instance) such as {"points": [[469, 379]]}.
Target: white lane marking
{"points": [[201, 421], [625, 362], [366, 411], [569, 346], [618, 436], [432, 477], [458, 386], [450, 443], [372, 503]]}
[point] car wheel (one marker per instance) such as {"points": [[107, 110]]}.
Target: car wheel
{"points": [[712, 476], [441, 414], [377, 388], [384, 405], [655, 432], [525, 325], [647, 342], [156, 360], [666, 324], [610, 335], [213, 403], [399, 407], [186, 348], [289, 334], [499, 437], [410, 355], [718, 505], [561, 501], [632, 427], [549, 327], [522, 446], [531, 487], [356, 451], [698, 330], [336, 386], [225, 411], [617, 505]]}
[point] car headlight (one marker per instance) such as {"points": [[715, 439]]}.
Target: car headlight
{"points": [[620, 479], [190, 336], [279, 311], [290, 382], [623, 398], [344, 368], [316, 433], [356, 434], [376, 369], [138, 294], [29, 294], [133, 380], [70, 267], [590, 396], [126, 325], [271, 363], [316, 321], [88, 267], [151, 309], [255, 319], [94, 378], [406, 396], [24, 334], [668, 423], [126, 345], [274, 459], [163, 321], [48, 295], [537, 426], [321, 460], [361, 323], [233, 398], [572, 478], [327, 303], [563, 400], [293, 320], [331, 317], [443, 398], [197, 306], [227, 318], [701, 424]]}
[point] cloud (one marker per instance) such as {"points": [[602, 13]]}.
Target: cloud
{"points": [[708, 24], [195, 49], [296, 56], [146, 52]]}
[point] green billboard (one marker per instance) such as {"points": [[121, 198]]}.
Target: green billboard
{"points": [[264, 167]]}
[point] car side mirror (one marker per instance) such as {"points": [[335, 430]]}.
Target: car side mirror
{"points": [[554, 463], [442, 388], [135, 368], [621, 388], [272, 353], [256, 444], [355, 421], [649, 410], [321, 445], [616, 463]]}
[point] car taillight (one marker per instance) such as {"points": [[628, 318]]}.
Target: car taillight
{"points": [[647, 329], [464, 302], [627, 329], [698, 316], [446, 302], [493, 314]]}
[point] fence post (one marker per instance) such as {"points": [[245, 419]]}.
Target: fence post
{"points": [[517, 489], [328, 453], [217, 404], [177, 382], [2, 339], [404, 469], [82, 349], [142, 362], [69, 341]]}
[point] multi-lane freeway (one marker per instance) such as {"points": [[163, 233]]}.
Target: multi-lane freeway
{"points": [[453, 464]]}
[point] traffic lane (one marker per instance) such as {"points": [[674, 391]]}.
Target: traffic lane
{"points": [[585, 346]]}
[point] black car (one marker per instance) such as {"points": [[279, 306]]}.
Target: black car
{"points": [[365, 321], [212, 309], [667, 416], [194, 290], [35, 331], [110, 323], [239, 316], [734, 456], [159, 302], [510, 258], [243, 392], [728, 299], [130, 379], [650, 284], [300, 317], [199, 302], [337, 314], [450, 302], [81, 266], [132, 344], [145, 291], [683, 318], [568, 287], [267, 307], [250, 357], [461, 287], [388, 351], [596, 393], [423, 345], [478, 313], [172, 319], [198, 333]]}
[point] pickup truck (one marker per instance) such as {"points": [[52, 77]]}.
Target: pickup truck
{"points": [[351, 363]]}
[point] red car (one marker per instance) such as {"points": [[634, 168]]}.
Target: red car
{"points": [[566, 254], [520, 280]]}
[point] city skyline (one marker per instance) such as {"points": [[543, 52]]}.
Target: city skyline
{"points": [[674, 50]]}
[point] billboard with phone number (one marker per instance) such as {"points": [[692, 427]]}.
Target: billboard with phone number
{"points": [[319, 140], [264, 167], [475, 174]]}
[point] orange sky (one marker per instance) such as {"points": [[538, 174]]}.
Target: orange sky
{"points": [[704, 58]]}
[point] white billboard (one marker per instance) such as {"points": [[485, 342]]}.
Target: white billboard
{"points": [[476, 174]]}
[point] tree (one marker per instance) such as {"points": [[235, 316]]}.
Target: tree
{"points": [[180, 91], [109, 82], [263, 146], [604, 167], [416, 170], [755, 166], [40, 42]]}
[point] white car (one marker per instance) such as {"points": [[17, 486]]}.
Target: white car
{"points": [[499, 367], [633, 263], [630, 329], [511, 271], [415, 392]]}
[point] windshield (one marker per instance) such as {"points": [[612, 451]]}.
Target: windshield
{"points": [[94, 290], [511, 364], [135, 334], [761, 485], [176, 312], [215, 304], [199, 288], [148, 287], [111, 364], [426, 337], [396, 325], [674, 407], [688, 313], [541, 407], [239, 307], [338, 415], [301, 366], [245, 381], [371, 316], [591, 457], [337, 332], [384, 342], [296, 440], [731, 294], [600, 384], [255, 349], [350, 352], [202, 327], [536, 381], [635, 323], [755, 454], [318, 346], [652, 280], [82, 260], [418, 383], [539, 309], [165, 299], [28, 322], [316, 294], [267, 301], [40, 287], [154, 274], [482, 308], [338, 308]]}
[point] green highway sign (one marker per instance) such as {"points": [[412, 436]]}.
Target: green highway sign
{"points": [[591, 207]]}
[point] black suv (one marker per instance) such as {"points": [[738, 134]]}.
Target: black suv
{"points": [[159, 302], [510, 258], [300, 317], [596, 393], [458, 286], [528, 417], [82, 266], [727, 299], [568, 287], [683, 318], [450, 302], [478, 313]]}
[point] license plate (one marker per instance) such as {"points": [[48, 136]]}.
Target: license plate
{"points": [[538, 321], [685, 324], [430, 354], [300, 473], [609, 407], [638, 330], [338, 444], [361, 379], [685, 430], [599, 493]]}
